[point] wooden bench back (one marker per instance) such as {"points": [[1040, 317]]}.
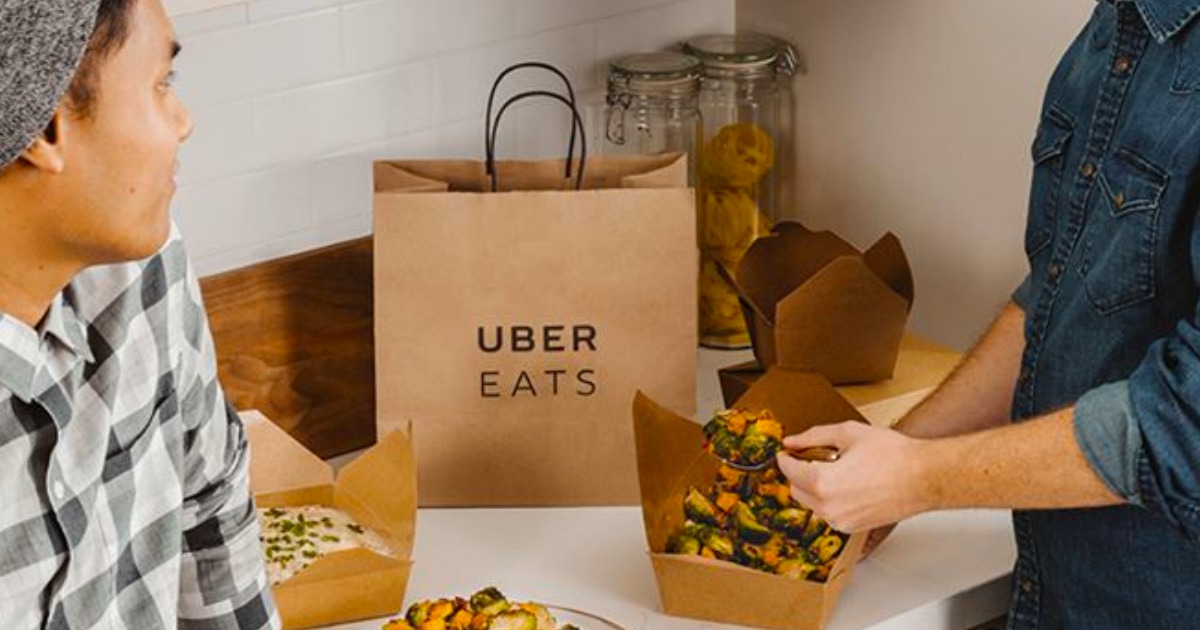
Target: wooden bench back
{"points": [[295, 340]]}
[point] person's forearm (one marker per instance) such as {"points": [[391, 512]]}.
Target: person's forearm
{"points": [[978, 394], [1036, 464]]}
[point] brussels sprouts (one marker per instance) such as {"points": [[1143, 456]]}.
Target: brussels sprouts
{"points": [[749, 529], [724, 444], [719, 544], [749, 555], [796, 568], [514, 620], [683, 544], [541, 615], [758, 448], [812, 531], [791, 521], [693, 529], [698, 508], [490, 601], [763, 509], [418, 614], [827, 547]]}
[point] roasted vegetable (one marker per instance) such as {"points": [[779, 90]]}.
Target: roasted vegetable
{"points": [[742, 437], [750, 517], [699, 508], [718, 543], [826, 547], [749, 555], [813, 530], [487, 609], [418, 614], [684, 545], [796, 568], [544, 620], [748, 527], [790, 521], [490, 601], [514, 620]]}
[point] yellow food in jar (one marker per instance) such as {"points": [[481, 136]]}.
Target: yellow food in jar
{"points": [[738, 156]]}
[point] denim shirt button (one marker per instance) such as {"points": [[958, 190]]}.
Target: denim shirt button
{"points": [[1122, 65], [1088, 170], [1055, 271], [1027, 586]]}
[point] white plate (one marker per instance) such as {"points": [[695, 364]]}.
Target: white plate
{"points": [[581, 619]]}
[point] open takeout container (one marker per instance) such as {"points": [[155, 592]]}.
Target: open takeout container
{"points": [[814, 302], [378, 490], [671, 459]]}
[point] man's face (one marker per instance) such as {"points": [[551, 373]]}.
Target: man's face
{"points": [[120, 159]]}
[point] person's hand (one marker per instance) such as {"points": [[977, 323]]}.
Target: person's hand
{"points": [[875, 482]]}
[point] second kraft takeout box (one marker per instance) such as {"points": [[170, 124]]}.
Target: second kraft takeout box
{"points": [[812, 301], [671, 459], [378, 490]]}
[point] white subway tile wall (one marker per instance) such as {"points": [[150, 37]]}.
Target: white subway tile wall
{"points": [[293, 100]]}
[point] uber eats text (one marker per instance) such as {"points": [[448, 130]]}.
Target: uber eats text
{"points": [[542, 344]]}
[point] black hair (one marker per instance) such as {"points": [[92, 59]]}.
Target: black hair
{"points": [[113, 24]]}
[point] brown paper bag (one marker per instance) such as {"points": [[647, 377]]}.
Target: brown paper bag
{"points": [[513, 329]]}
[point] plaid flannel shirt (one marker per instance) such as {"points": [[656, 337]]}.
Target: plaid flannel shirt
{"points": [[124, 490]]}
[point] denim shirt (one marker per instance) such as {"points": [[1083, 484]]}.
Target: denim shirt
{"points": [[1112, 323]]}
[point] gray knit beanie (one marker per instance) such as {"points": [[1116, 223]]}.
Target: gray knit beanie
{"points": [[41, 45]]}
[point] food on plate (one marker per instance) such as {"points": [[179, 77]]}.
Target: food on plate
{"points": [[487, 609], [295, 537], [744, 437], [750, 518]]}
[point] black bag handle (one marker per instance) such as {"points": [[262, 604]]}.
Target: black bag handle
{"points": [[576, 126], [489, 139]]}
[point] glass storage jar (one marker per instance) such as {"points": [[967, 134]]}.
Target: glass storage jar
{"points": [[653, 105], [741, 105]]}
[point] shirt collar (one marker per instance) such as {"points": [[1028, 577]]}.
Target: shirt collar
{"points": [[63, 324], [23, 350], [1165, 18]]}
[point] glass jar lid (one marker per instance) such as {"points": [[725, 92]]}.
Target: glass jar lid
{"points": [[655, 73], [744, 53]]}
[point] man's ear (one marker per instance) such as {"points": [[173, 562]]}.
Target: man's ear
{"points": [[46, 152]]}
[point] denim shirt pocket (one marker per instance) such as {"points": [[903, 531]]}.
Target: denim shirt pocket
{"points": [[1049, 154], [1118, 261]]}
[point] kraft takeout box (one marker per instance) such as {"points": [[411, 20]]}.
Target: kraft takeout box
{"points": [[921, 366], [814, 302], [671, 459], [378, 490]]}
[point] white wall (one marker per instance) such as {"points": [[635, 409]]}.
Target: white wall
{"points": [[294, 98], [916, 116]]}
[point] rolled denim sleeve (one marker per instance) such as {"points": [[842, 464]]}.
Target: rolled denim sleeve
{"points": [[1164, 398], [1110, 438], [1142, 436]]}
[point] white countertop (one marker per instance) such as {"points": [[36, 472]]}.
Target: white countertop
{"points": [[941, 571], [938, 571]]}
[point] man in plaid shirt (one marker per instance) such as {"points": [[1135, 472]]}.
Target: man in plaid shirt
{"points": [[124, 498]]}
